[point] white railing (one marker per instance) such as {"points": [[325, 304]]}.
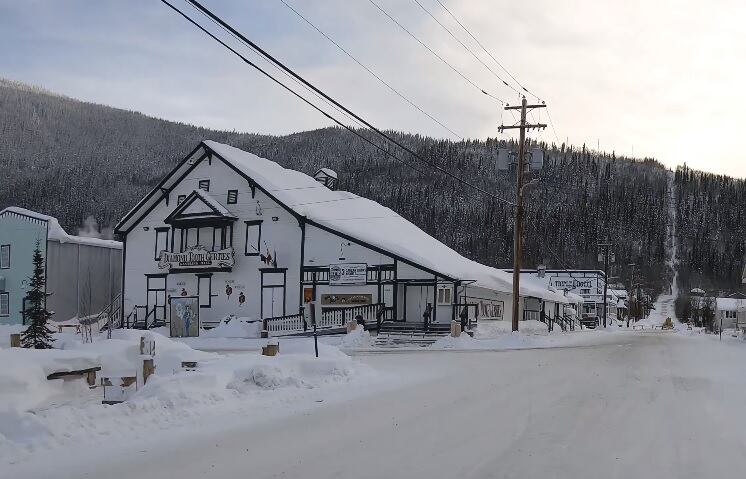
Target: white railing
{"points": [[284, 324]]}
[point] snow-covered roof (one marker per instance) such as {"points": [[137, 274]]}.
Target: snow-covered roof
{"points": [[55, 232], [731, 304], [362, 219]]}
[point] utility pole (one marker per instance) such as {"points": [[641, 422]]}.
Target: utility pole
{"points": [[631, 292], [518, 229], [604, 247]]}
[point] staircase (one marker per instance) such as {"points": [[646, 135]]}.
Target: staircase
{"points": [[401, 334]]}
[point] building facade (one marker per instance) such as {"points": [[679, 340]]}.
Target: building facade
{"points": [[235, 234]]}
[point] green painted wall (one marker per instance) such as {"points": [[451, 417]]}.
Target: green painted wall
{"points": [[21, 234]]}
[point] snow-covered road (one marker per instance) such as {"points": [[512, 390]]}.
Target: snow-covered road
{"points": [[639, 405]]}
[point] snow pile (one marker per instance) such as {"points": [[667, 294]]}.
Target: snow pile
{"points": [[449, 342], [359, 338], [235, 328], [497, 329], [37, 414]]}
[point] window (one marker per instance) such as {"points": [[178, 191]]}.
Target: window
{"points": [[232, 197], [180, 199], [204, 290], [5, 256], [4, 304], [222, 237], [204, 185], [444, 295], [161, 242], [253, 238], [730, 314], [188, 239]]}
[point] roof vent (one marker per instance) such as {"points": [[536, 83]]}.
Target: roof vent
{"points": [[326, 177]]}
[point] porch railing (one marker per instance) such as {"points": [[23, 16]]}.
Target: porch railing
{"points": [[369, 313], [532, 315], [290, 323]]}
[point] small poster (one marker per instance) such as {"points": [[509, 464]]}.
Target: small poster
{"points": [[348, 273], [184, 316], [307, 295]]}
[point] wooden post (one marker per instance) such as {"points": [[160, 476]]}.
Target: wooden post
{"points": [[148, 368], [271, 349], [15, 340], [455, 329]]}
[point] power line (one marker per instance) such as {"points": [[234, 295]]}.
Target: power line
{"points": [[375, 75], [486, 51], [465, 46], [330, 117], [471, 82]]}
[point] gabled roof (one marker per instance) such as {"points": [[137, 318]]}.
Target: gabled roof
{"points": [[199, 205], [343, 213], [55, 232]]}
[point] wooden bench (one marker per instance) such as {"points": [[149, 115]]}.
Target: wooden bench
{"points": [[89, 373], [60, 327]]}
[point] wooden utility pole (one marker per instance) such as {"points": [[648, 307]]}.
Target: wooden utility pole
{"points": [[518, 229], [604, 247]]}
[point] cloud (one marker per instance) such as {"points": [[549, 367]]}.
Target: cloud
{"points": [[660, 77]]}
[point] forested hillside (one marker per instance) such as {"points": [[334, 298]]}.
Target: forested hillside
{"points": [[73, 159], [712, 229]]}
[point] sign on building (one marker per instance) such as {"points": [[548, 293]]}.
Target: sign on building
{"points": [[346, 299], [348, 273], [184, 317], [197, 257]]}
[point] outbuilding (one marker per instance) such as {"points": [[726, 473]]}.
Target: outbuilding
{"points": [[82, 274], [230, 233]]}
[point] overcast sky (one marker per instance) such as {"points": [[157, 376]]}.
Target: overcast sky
{"points": [[661, 78]]}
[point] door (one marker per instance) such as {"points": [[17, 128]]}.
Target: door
{"points": [[273, 302], [156, 298], [417, 298]]}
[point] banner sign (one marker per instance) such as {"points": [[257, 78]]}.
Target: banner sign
{"points": [[346, 299], [349, 273], [197, 257]]}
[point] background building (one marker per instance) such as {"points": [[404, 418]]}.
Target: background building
{"points": [[83, 274]]}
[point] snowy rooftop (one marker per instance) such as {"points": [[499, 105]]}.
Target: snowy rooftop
{"points": [[731, 304], [55, 232]]}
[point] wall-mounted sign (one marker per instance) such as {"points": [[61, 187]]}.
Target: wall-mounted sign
{"points": [[184, 317], [196, 257], [346, 299], [348, 273]]}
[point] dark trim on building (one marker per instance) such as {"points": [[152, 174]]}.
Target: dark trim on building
{"points": [[1, 256], [257, 250], [302, 225], [231, 197], [201, 276], [158, 230], [273, 286]]}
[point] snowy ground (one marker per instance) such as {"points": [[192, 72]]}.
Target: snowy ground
{"points": [[624, 404]]}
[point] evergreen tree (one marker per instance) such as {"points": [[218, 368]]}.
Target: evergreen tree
{"points": [[37, 335]]}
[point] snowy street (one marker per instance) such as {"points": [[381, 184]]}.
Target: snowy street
{"points": [[634, 405]]}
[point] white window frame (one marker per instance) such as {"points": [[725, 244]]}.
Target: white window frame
{"points": [[4, 259], [445, 295], [5, 298]]}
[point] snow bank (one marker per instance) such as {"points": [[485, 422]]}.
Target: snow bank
{"points": [[235, 328], [496, 329], [37, 414], [359, 338], [449, 342]]}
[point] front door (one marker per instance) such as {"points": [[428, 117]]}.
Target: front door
{"points": [[417, 298], [273, 302]]}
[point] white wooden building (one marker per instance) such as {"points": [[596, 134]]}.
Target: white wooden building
{"points": [[240, 235]]}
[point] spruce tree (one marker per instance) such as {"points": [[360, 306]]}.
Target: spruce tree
{"points": [[37, 335]]}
